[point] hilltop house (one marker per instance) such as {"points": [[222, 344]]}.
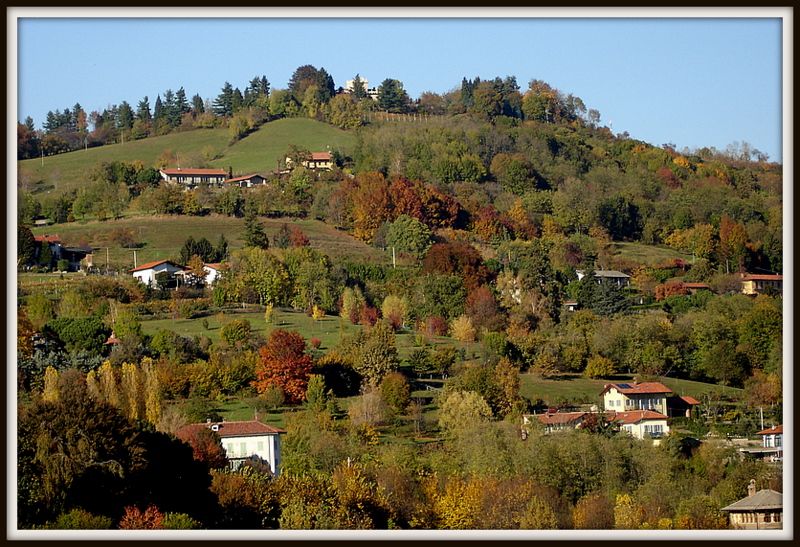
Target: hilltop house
{"points": [[762, 510], [192, 177], [146, 273], [249, 440]]}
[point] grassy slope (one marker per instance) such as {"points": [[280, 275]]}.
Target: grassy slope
{"points": [[163, 236], [257, 152]]}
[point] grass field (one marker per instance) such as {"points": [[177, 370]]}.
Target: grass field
{"points": [[577, 388], [162, 236], [256, 153], [649, 255]]}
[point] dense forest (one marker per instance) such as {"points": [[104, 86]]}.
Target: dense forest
{"points": [[489, 201]]}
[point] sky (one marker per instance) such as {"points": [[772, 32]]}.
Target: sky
{"points": [[693, 78]]}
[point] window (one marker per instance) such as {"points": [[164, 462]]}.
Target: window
{"points": [[243, 447], [767, 517], [260, 446], [229, 449]]}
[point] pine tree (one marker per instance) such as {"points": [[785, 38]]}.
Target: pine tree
{"points": [[254, 235], [223, 104]]}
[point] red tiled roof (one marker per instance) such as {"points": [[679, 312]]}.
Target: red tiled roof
{"points": [[150, 265], [632, 389], [320, 156], [213, 266], [772, 431], [635, 416], [690, 400], [761, 277], [560, 417], [49, 239], [180, 171], [697, 285]]}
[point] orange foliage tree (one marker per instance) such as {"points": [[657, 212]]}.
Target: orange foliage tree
{"points": [[284, 363]]}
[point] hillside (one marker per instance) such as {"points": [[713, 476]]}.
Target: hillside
{"points": [[258, 152]]}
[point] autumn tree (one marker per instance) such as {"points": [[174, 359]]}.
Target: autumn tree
{"points": [[284, 363]]}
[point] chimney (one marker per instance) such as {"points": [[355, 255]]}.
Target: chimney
{"points": [[208, 420], [751, 488], [635, 381]]}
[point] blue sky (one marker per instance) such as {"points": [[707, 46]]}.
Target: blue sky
{"points": [[694, 82]]}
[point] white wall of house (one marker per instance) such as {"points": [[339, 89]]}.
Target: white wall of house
{"points": [[148, 276], [266, 447]]}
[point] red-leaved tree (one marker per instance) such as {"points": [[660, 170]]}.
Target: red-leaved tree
{"points": [[284, 363]]}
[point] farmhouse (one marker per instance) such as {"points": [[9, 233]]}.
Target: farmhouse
{"points": [[146, 273], [762, 510], [212, 272], [192, 177], [636, 396]]}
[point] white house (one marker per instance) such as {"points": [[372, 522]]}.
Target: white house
{"points": [[146, 273], [212, 272], [641, 423], [636, 396], [318, 160], [192, 177], [243, 440]]}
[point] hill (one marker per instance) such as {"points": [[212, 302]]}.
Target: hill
{"points": [[257, 152]]}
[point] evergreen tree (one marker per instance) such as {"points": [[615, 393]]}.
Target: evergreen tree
{"points": [[45, 254], [197, 104], [221, 250], [26, 245], [223, 104], [359, 90], [254, 235], [143, 110], [125, 116], [181, 104], [158, 109], [391, 96]]}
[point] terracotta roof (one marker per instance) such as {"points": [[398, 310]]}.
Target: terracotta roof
{"points": [[240, 429], [320, 156], [760, 501], [49, 239], [179, 171], [690, 400], [697, 285], [151, 265], [635, 416], [761, 277], [633, 389], [213, 265], [772, 431]]}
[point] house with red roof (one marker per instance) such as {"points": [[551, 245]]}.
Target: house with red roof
{"points": [[773, 438], [318, 160], [557, 421], [640, 423], [192, 177], [625, 397], [753, 284], [248, 440], [146, 273]]}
